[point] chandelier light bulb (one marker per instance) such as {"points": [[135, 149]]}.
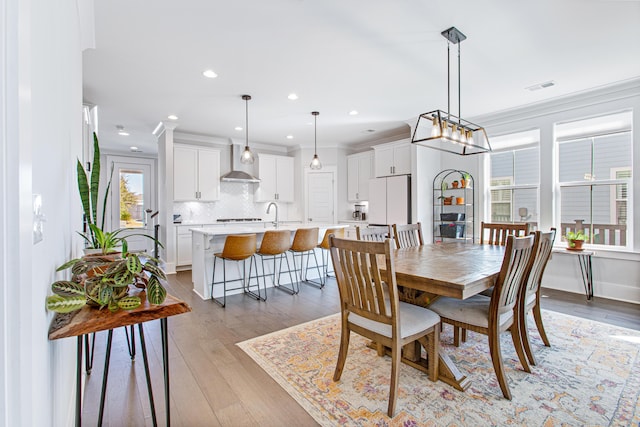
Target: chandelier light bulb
{"points": [[315, 162]]}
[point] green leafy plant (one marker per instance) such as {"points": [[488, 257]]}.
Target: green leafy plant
{"points": [[89, 190], [110, 241], [102, 282], [578, 235]]}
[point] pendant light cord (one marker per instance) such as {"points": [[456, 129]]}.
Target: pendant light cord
{"points": [[315, 134], [246, 103]]}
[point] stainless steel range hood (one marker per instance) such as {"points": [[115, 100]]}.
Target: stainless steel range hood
{"points": [[237, 173]]}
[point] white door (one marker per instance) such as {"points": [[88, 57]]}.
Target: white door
{"points": [[131, 195], [320, 197]]}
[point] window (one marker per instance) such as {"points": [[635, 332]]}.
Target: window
{"points": [[515, 178], [594, 178]]}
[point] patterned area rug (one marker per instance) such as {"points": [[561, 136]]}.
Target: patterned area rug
{"points": [[590, 376]]}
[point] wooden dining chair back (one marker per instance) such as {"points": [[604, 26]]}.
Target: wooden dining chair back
{"points": [[530, 293], [408, 235], [492, 316], [498, 232], [370, 307], [376, 233]]}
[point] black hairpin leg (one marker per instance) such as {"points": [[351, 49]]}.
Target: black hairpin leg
{"points": [[131, 344], [587, 274], [104, 376], [89, 349], [79, 381], [146, 372], [165, 363]]}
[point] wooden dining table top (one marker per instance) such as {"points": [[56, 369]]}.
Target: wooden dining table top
{"points": [[458, 270]]}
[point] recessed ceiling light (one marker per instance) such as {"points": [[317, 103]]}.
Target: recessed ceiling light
{"points": [[292, 96], [353, 112], [133, 148], [289, 136], [121, 130], [238, 128], [172, 117], [370, 130], [210, 74]]}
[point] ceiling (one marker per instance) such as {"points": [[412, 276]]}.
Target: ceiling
{"points": [[385, 59]]}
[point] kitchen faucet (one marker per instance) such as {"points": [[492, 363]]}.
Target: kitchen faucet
{"points": [[269, 208]]}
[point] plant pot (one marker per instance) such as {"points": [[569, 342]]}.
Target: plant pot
{"points": [[575, 244], [459, 200], [447, 200], [463, 183], [454, 184]]}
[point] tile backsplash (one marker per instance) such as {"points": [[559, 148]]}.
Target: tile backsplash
{"points": [[236, 201]]}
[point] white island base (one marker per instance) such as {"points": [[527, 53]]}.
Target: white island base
{"points": [[207, 241]]}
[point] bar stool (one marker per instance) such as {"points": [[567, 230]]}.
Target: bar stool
{"points": [[324, 249], [237, 247], [275, 244], [304, 242]]}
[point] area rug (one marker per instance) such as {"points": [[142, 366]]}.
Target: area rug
{"points": [[590, 376]]}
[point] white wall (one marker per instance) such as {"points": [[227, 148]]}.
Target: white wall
{"points": [[42, 138]]}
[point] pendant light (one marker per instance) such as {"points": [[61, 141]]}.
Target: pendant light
{"points": [[247, 156], [444, 131], [315, 163]]}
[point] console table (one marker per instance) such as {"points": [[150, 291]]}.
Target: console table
{"points": [[89, 320], [584, 260]]}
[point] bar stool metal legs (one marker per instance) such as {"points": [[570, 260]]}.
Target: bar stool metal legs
{"points": [[246, 286], [302, 277]]}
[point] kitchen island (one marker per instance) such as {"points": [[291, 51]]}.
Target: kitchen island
{"points": [[209, 240]]}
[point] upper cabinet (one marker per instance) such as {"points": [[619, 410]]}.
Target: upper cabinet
{"points": [[393, 159], [359, 171], [196, 173], [276, 178]]}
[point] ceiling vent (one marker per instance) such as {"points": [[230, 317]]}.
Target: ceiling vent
{"points": [[541, 86]]}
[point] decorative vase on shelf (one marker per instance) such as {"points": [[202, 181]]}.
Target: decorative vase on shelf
{"points": [[454, 184], [459, 200]]}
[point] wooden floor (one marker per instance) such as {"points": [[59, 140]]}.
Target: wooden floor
{"points": [[214, 383]]}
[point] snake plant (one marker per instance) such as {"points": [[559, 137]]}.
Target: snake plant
{"points": [[103, 282]]}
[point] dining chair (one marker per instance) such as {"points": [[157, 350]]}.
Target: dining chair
{"points": [[370, 307], [408, 235], [500, 313], [274, 245], [375, 233], [530, 294], [237, 247], [498, 232]]}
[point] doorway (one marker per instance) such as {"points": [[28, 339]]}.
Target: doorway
{"points": [[321, 196], [132, 199]]}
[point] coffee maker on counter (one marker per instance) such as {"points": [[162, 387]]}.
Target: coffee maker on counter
{"points": [[359, 213]]}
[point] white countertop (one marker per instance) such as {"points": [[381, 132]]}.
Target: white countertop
{"points": [[259, 228]]}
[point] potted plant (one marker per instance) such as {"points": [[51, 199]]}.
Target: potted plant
{"points": [[454, 184], [103, 282], [104, 278], [465, 179], [575, 239]]}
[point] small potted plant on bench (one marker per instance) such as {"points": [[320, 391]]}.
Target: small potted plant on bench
{"points": [[575, 240]]}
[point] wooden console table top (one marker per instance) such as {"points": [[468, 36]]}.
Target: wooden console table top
{"points": [[91, 319]]}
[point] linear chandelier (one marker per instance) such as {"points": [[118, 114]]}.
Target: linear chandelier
{"points": [[444, 131]]}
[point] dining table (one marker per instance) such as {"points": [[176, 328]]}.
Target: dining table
{"points": [[452, 269]]}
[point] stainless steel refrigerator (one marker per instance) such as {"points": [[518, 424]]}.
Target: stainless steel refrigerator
{"points": [[390, 200]]}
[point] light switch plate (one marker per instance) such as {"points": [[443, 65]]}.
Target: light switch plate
{"points": [[38, 219]]}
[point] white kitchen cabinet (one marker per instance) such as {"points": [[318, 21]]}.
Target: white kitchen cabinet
{"points": [[393, 159], [184, 242], [196, 174], [359, 172], [276, 178]]}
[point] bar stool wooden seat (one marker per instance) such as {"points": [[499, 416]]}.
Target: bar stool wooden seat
{"points": [[275, 244], [324, 249], [304, 242], [237, 247]]}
